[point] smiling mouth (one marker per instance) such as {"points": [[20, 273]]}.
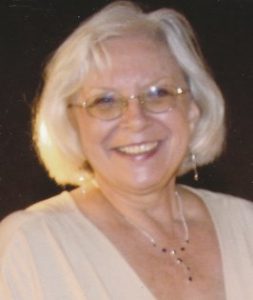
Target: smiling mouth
{"points": [[138, 149]]}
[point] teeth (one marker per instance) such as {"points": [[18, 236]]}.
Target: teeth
{"points": [[138, 149]]}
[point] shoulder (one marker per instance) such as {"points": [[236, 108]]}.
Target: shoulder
{"points": [[225, 206], [223, 200], [217, 198], [24, 238], [32, 220]]}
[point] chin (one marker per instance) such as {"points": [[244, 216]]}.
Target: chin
{"points": [[142, 185]]}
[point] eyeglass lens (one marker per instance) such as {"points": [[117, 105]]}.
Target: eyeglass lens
{"points": [[110, 104]]}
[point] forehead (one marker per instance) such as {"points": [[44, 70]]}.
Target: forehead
{"points": [[134, 61]]}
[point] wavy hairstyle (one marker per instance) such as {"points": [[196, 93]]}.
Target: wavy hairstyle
{"points": [[55, 138]]}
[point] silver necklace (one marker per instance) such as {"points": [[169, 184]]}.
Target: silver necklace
{"points": [[175, 254]]}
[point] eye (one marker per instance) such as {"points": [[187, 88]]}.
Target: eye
{"points": [[102, 100], [159, 92]]}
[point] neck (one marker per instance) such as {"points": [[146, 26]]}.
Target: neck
{"points": [[143, 208], [159, 217]]}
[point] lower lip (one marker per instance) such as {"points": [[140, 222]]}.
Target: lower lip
{"points": [[141, 156]]}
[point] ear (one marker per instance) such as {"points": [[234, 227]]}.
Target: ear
{"points": [[193, 114]]}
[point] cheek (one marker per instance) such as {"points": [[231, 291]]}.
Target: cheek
{"points": [[86, 131], [94, 136], [179, 133], [177, 122]]}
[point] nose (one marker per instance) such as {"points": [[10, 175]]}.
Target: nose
{"points": [[134, 117]]}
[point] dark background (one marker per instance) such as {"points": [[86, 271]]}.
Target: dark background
{"points": [[31, 29]]}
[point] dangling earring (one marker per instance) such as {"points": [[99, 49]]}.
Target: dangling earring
{"points": [[194, 166]]}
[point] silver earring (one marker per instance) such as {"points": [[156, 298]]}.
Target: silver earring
{"points": [[194, 166]]}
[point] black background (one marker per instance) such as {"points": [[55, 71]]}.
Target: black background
{"points": [[31, 30]]}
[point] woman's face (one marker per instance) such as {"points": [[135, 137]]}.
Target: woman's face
{"points": [[139, 151]]}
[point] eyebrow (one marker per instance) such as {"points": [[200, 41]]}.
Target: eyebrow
{"points": [[152, 83]]}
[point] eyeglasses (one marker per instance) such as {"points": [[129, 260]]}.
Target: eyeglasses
{"points": [[109, 104]]}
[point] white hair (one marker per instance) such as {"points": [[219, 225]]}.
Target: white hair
{"points": [[55, 137]]}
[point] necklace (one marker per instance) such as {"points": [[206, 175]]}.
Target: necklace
{"points": [[175, 254]]}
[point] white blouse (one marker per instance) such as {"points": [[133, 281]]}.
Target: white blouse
{"points": [[51, 251]]}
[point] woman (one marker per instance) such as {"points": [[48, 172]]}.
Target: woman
{"points": [[128, 105]]}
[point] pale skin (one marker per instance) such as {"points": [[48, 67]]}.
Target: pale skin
{"points": [[138, 191]]}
